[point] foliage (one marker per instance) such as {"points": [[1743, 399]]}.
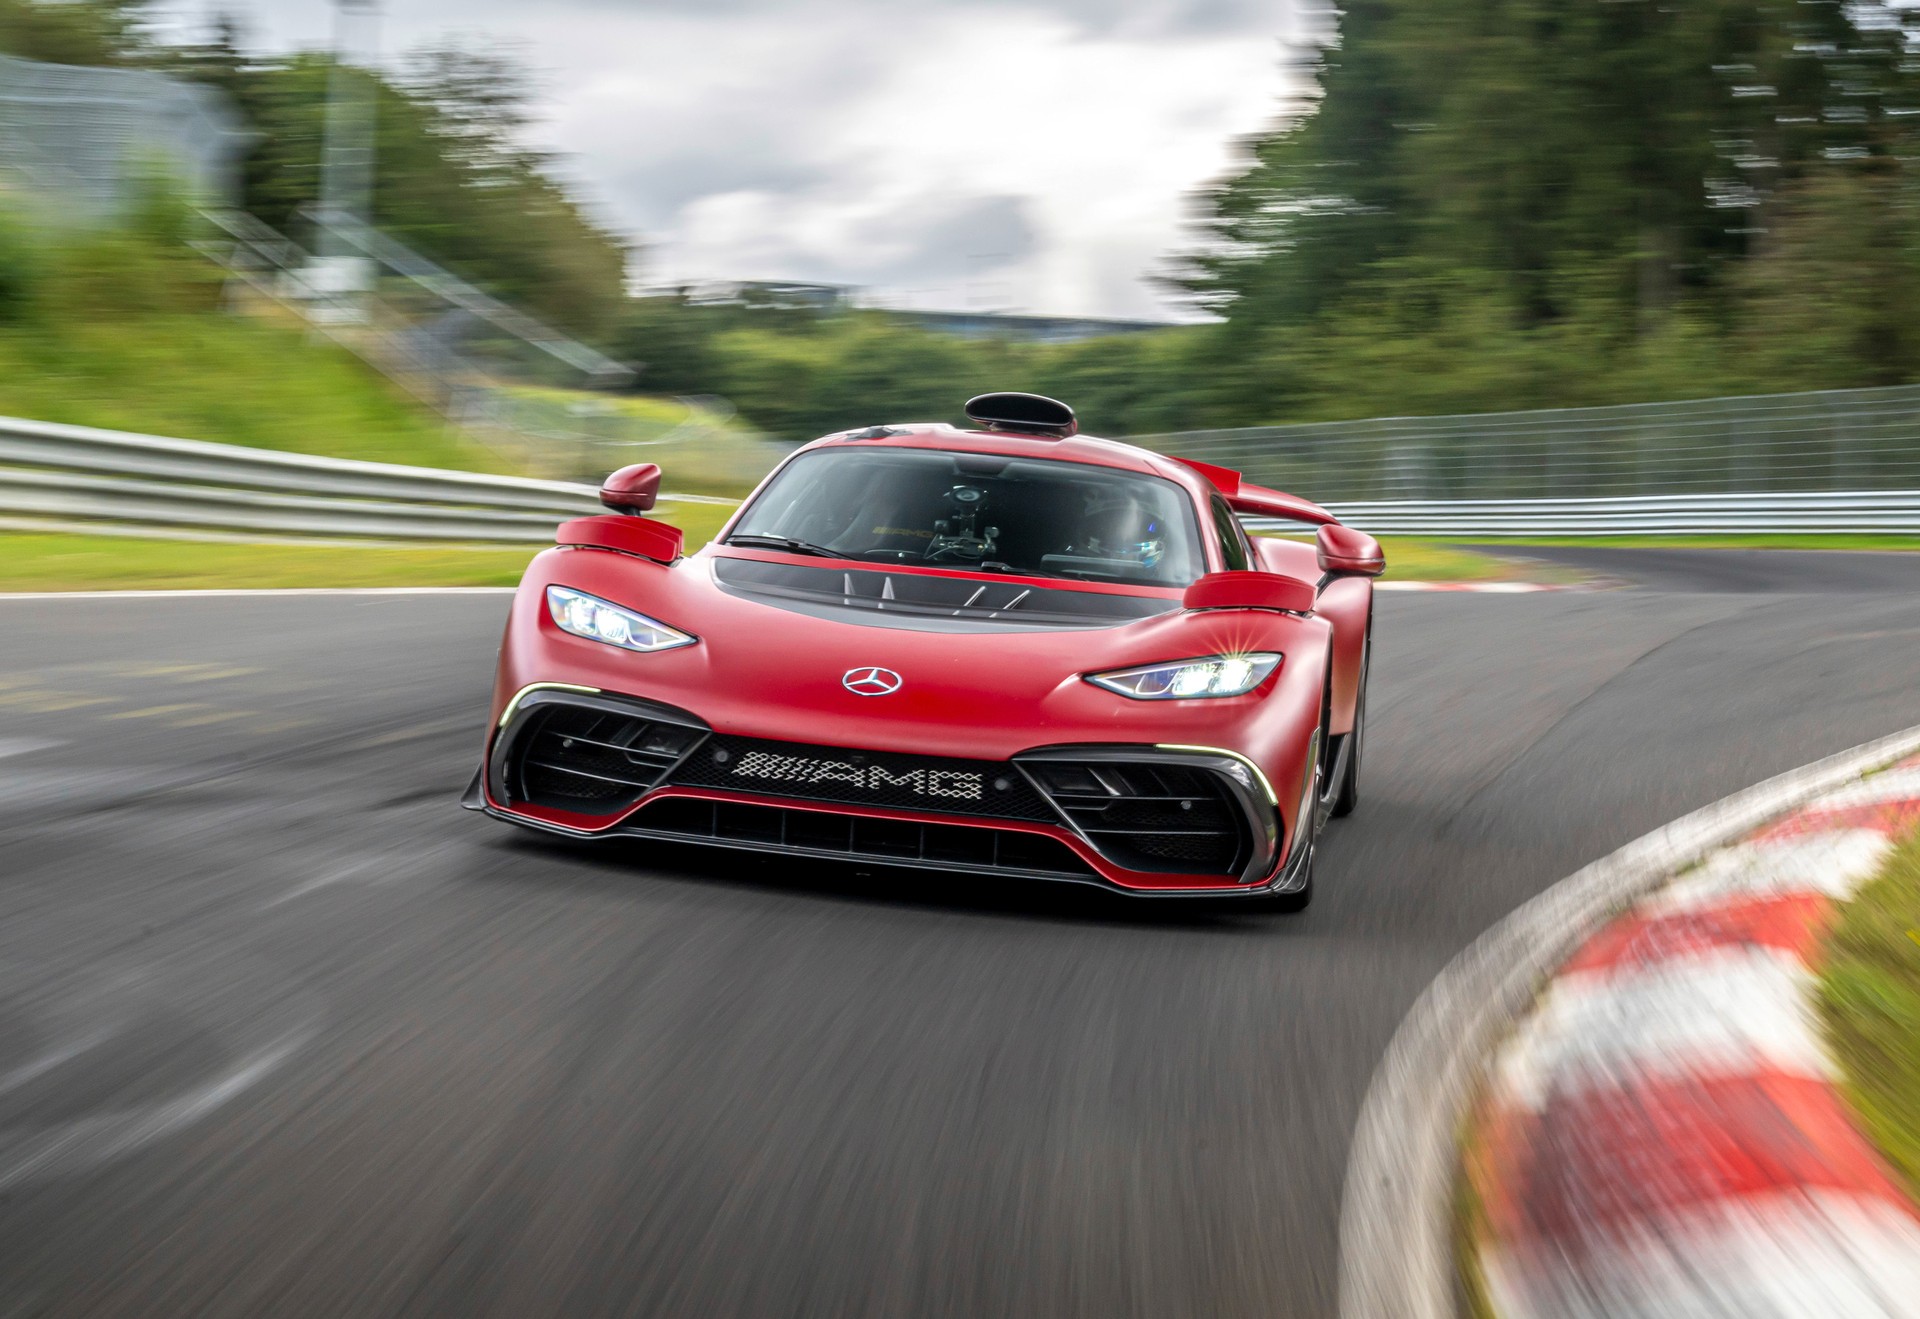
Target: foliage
{"points": [[19, 267], [1870, 1004], [74, 32], [452, 178], [120, 330], [1469, 205], [1507, 203]]}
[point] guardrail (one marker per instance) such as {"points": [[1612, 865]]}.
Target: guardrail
{"points": [[77, 476], [74, 476], [1844, 512]]}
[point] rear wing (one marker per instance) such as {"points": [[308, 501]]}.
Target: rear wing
{"points": [[1257, 500]]}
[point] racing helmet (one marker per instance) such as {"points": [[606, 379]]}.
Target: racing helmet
{"points": [[1117, 524]]}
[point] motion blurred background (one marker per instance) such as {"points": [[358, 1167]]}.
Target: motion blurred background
{"points": [[540, 242]]}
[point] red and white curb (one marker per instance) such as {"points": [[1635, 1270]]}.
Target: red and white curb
{"points": [[1663, 1134], [1398, 1211]]}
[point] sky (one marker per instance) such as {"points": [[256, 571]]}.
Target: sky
{"points": [[1030, 155]]}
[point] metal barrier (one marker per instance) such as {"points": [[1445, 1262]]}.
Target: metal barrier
{"points": [[76, 476], [86, 141], [1850, 512], [1832, 443]]}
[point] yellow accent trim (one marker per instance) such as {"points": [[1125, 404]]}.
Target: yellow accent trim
{"points": [[1273, 798], [521, 695]]}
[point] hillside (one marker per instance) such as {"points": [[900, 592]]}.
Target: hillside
{"points": [[125, 331]]}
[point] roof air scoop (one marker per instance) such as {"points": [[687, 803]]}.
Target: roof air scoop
{"points": [[1023, 414]]}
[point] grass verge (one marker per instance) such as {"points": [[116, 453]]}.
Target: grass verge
{"points": [[1415, 559], [1832, 542], [209, 376], [1870, 1006], [59, 562]]}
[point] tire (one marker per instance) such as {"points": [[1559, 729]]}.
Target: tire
{"points": [[1348, 795]]}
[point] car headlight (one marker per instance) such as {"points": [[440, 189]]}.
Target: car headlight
{"points": [[1179, 680], [595, 619]]}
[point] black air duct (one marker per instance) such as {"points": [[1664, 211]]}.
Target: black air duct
{"points": [[1023, 414]]}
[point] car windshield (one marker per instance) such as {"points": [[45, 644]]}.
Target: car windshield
{"points": [[981, 512]]}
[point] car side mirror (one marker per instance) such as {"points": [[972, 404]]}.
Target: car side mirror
{"points": [[1342, 549], [1250, 590], [632, 489]]}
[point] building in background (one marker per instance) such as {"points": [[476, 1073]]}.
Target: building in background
{"points": [[793, 295]]}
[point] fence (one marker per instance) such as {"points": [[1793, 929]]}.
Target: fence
{"points": [[1848, 440], [90, 138], [1855, 512], [72, 477]]}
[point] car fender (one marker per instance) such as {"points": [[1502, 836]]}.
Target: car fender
{"points": [[1347, 603]]}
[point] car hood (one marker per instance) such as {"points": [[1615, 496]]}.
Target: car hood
{"points": [[777, 666]]}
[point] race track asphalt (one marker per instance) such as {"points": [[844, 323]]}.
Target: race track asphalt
{"points": [[283, 1031]]}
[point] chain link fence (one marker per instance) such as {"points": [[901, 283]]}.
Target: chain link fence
{"points": [[1859, 440], [90, 140], [499, 375]]}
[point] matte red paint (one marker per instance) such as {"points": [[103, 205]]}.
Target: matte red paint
{"points": [[766, 672], [1223, 479], [632, 489], [1342, 549], [1262, 502], [1250, 590], [658, 541]]}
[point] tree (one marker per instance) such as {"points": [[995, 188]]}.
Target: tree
{"points": [[75, 32], [1536, 139]]}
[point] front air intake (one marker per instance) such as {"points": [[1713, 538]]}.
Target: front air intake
{"points": [[591, 760], [968, 849], [1152, 816]]}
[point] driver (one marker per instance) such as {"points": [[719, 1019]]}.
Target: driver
{"points": [[1116, 525]]}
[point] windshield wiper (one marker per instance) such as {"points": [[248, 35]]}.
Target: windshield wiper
{"points": [[994, 565], [754, 540]]}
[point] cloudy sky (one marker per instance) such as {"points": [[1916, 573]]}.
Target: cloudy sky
{"points": [[1021, 154]]}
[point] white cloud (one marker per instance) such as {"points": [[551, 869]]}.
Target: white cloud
{"points": [[1037, 154]]}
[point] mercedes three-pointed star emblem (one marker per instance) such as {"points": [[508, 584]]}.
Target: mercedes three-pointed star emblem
{"points": [[871, 681]]}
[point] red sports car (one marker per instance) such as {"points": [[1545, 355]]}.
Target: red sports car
{"points": [[1012, 650]]}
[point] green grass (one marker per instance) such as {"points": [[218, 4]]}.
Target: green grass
{"points": [[700, 451], [1414, 559], [1823, 542], [204, 375], [1470, 1227], [1870, 1004], [60, 562], [96, 563]]}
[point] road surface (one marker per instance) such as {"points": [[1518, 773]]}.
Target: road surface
{"points": [[284, 1031]]}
